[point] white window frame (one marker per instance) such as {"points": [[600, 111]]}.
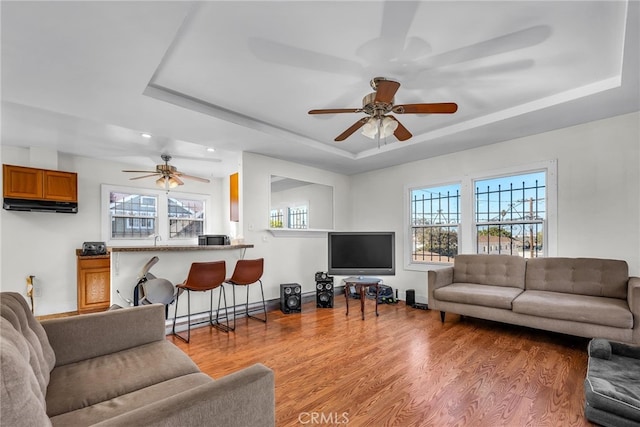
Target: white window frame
{"points": [[467, 228], [409, 226], [162, 218]]}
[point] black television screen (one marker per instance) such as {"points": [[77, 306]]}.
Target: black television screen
{"points": [[362, 253]]}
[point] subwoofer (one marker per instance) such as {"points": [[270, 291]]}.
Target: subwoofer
{"points": [[411, 297], [324, 294], [290, 298]]}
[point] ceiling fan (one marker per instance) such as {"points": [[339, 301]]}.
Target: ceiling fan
{"points": [[168, 176], [378, 105]]}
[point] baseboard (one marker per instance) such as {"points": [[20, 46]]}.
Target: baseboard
{"points": [[202, 318]]}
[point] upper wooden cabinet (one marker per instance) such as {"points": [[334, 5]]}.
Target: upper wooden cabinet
{"points": [[20, 182], [234, 198]]}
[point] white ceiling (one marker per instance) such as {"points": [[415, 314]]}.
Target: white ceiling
{"points": [[88, 77]]}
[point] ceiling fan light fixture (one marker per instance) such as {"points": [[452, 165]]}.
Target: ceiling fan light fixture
{"points": [[370, 128], [388, 127], [166, 182]]}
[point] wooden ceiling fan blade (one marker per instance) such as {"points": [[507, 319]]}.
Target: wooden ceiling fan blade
{"points": [[438, 108], [178, 180], [336, 111], [195, 178], [136, 171], [401, 132], [386, 90], [145, 176], [354, 127]]}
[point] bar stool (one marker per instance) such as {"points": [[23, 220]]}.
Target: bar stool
{"points": [[245, 273], [203, 276]]}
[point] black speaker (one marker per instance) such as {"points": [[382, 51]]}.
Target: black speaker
{"points": [[411, 297], [324, 294], [290, 298]]}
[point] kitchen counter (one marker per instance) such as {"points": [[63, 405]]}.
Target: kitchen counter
{"points": [[167, 248], [173, 264]]}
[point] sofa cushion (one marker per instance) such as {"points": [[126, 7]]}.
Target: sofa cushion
{"points": [[81, 384], [128, 402], [579, 308], [40, 355], [613, 386], [22, 400], [584, 276], [473, 293], [496, 270]]}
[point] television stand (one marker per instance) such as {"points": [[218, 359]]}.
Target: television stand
{"points": [[360, 283]]}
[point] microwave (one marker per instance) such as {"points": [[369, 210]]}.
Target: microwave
{"points": [[213, 239]]}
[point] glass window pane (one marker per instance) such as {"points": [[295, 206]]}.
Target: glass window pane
{"points": [[276, 218], [186, 217], [298, 217], [510, 214], [435, 216], [133, 216]]}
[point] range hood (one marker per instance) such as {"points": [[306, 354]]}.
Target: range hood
{"points": [[11, 204]]}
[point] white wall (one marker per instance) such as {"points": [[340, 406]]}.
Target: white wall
{"points": [[44, 244], [598, 190], [598, 208], [287, 259], [318, 199]]}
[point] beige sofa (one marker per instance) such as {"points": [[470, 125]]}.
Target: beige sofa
{"points": [[116, 368], [587, 297]]}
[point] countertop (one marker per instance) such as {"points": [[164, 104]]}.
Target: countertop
{"points": [[166, 248]]}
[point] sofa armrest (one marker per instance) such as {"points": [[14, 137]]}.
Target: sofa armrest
{"points": [[244, 398], [437, 279], [85, 336], [633, 299], [633, 295]]}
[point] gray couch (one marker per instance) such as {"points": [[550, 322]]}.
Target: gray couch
{"points": [[587, 297], [116, 368]]}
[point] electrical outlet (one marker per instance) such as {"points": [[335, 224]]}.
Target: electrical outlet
{"points": [[37, 290]]}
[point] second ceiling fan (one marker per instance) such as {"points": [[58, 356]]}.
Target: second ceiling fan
{"points": [[378, 104], [168, 176]]}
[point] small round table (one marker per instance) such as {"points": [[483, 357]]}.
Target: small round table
{"points": [[360, 284]]}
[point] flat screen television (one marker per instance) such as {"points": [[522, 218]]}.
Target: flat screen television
{"points": [[362, 253]]}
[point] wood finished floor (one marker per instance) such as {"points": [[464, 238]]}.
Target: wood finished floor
{"points": [[403, 368]]}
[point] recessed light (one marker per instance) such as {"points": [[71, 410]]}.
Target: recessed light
{"points": [[211, 149], [145, 135]]}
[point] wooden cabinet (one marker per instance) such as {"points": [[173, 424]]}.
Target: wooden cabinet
{"points": [[94, 288], [21, 182], [234, 198]]}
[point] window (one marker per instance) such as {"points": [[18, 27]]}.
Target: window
{"points": [[186, 217], [435, 217], [276, 218], [134, 214], [297, 217], [509, 212]]}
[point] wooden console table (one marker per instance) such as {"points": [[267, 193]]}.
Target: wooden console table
{"points": [[360, 284]]}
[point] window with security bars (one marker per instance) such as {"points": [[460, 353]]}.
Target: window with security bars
{"points": [[132, 215], [298, 217], [276, 218], [186, 217], [510, 215], [435, 221]]}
